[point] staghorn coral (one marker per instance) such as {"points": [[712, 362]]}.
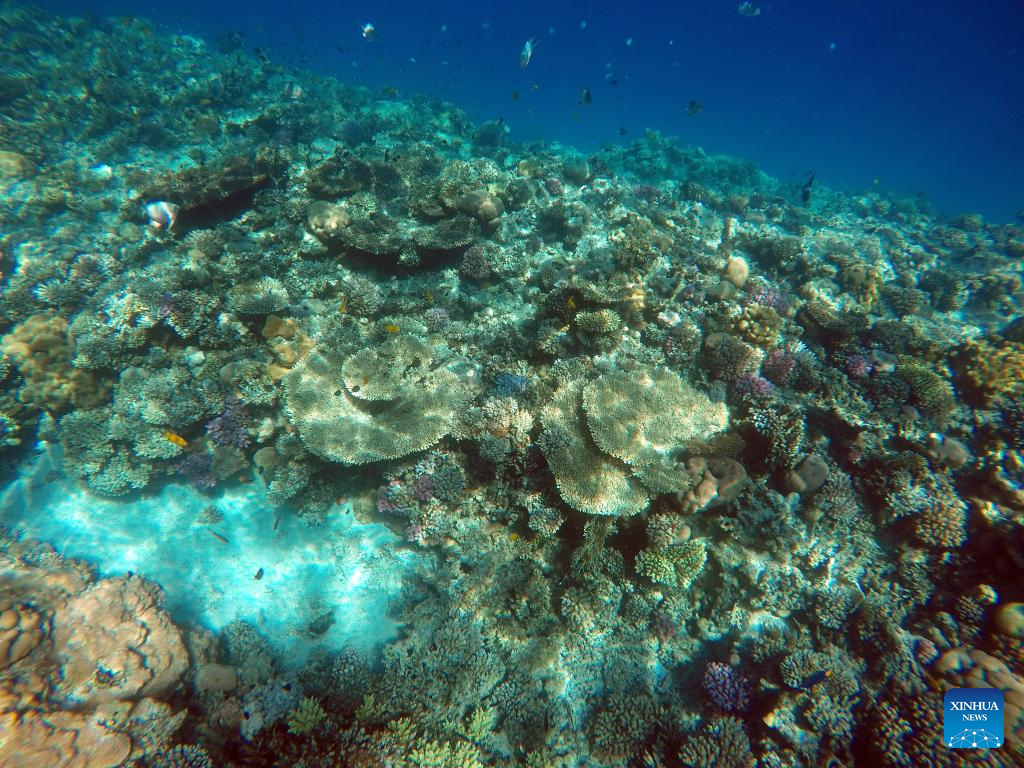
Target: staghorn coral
{"points": [[727, 688], [412, 405]]}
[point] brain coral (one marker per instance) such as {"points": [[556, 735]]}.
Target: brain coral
{"points": [[376, 405], [613, 442]]}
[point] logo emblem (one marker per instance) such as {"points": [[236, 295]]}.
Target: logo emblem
{"points": [[973, 718]]}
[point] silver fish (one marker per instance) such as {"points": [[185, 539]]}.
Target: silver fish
{"points": [[527, 54]]}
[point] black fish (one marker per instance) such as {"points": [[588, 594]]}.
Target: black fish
{"points": [[585, 98], [693, 108], [805, 192], [259, 575]]}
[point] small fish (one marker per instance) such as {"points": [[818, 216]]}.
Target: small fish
{"points": [[693, 108], [174, 437], [570, 303], [805, 191], [749, 10], [818, 677], [369, 31], [515, 96], [219, 537], [392, 328], [343, 306], [535, 87], [162, 215], [585, 98], [622, 131], [527, 54], [259, 575], [629, 42], [292, 91], [277, 522]]}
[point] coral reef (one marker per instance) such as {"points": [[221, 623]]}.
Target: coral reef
{"points": [[676, 468]]}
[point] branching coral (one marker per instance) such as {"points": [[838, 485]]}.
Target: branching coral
{"points": [[673, 566]]}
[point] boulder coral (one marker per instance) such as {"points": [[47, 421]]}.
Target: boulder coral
{"points": [[83, 664], [42, 350]]}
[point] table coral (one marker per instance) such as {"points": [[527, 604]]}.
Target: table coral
{"points": [[411, 409]]}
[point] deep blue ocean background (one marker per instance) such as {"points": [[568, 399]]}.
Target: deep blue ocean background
{"points": [[916, 97]]}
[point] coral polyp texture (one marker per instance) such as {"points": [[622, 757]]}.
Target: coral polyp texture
{"points": [[371, 437]]}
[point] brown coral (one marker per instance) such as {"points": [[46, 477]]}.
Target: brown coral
{"points": [[716, 481], [71, 739], [42, 350], [21, 630], [288, 342], [988, 369], [759, 325], [132, 649]]}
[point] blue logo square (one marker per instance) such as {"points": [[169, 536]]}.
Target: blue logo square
{"points": [[973, 718]]}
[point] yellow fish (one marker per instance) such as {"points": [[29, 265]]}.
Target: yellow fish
{"points": [[343, 306], [392, 328], [175, 438], [570, 303]]}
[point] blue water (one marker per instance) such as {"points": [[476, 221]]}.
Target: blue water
{"points": [[915, 97]]}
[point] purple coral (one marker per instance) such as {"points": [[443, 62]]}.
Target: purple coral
{"points": [[768, 296], [727, 688], [859, 366], [197, 468], [229, 428], [778, 366], [388, 497], [754, 387], [423, 488], [437, 318]]}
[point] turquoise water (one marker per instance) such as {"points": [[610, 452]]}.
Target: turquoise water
{"points": [[343, 425]]}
